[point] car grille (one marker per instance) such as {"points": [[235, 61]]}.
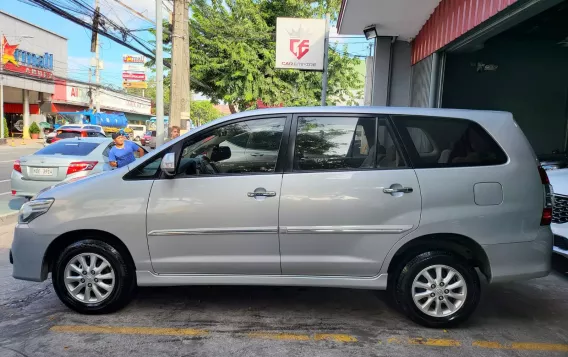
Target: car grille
{"points": [[560, 209], [561, 242]]}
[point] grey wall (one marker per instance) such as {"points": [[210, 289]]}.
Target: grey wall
{"points": [[42, 41], [531, 81], [397, 91]]}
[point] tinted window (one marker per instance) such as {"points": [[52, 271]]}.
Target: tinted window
{"points": [[444, 142], [68, 148], [344, 143], [68, 134], [245, 147], [148, 170]]}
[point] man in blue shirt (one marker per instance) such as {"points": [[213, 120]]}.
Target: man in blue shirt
{"points": [[122, 153]]}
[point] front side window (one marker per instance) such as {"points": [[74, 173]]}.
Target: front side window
{"points": [[344, 143], [447, 142], [248, 147]]}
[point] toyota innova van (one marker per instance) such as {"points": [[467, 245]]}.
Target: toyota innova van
{"points": [[422, 202]]}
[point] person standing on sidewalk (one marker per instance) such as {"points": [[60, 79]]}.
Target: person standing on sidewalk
{"points": [[122, 153]]}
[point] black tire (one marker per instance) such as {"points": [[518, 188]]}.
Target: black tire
{"points": [[124, 278], [406, 275]]}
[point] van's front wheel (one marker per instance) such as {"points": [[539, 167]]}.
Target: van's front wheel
{"points": [[436, 289], [92, 277]]}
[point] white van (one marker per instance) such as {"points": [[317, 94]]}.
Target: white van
{"points": [[137, 131]]}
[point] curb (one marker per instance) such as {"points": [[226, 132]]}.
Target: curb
{"points": [[9, 218]]}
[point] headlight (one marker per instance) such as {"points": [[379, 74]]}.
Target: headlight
{"points": [[33, 209]]}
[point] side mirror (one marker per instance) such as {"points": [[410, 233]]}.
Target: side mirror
{"points": [[168, 164]]}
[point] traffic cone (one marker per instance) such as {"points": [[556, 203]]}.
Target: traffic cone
{"points": [[13, 142], [23, 142]]}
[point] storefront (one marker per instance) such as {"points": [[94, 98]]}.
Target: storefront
{"points": [[32, 58], [474, 54], [71, 96]]}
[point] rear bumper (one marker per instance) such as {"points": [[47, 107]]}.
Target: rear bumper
{"points": [[521, 261], [28, 251], [28, 188]]}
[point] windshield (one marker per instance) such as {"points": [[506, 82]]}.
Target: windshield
{"points": [[68, 148], [68, 134]]}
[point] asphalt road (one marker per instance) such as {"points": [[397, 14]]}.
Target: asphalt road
{"points": [[7, 156], [518, 319]]}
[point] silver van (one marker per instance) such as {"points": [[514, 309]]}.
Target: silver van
{"points": [[422, 202]]}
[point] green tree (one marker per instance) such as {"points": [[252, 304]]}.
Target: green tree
{"points": [[151, 93], [203, 111], [232, 46], [6, 130]]}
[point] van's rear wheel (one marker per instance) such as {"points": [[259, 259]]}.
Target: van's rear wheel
{"points": [[92, 277], [436, 289]]}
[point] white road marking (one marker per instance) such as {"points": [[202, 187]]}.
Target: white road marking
{"points": [[5, 180], [5, 193], [9, 160]]}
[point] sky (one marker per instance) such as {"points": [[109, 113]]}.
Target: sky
{"points": [[79, 38]]}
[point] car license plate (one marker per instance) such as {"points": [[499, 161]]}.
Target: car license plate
{"points": [[42, 171]]}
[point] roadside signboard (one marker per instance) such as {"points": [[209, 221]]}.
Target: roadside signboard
{"points": [[139, 85], [133, 72], [300, 43], [134, 76]]}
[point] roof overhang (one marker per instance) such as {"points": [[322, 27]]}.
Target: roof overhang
{"points": [[401, 18]]}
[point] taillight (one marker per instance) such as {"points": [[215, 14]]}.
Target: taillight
{"points": [[13, 192], [543, 176], [17, 166], [55, 139], [81, 166], [546, 217]]}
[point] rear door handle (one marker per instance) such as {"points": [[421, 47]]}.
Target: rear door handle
{"points": [[397, 190], [262, 194]]}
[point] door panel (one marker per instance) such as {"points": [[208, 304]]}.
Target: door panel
{"points": [[210, 225], [349, 198], [342, 223]]}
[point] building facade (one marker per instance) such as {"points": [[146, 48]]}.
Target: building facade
{"points": [[506, 55]]}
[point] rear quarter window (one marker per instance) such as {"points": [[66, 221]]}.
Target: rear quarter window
{"points": [[446, 142], [68, 148], [68, 134]]}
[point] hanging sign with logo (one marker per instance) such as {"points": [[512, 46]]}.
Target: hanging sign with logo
{"points": [[133, 59], [300, 43], [30, 64]]}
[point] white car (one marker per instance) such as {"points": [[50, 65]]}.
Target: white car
{"points": [[559, 182], [49, 137]]}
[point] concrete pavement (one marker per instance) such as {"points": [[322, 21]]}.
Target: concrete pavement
{"points": [[518, 319]]}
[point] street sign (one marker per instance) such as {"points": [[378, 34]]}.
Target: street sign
{"points": [[300, 43], [139, 85], [133, 67], [133, 59], [134, 76]]}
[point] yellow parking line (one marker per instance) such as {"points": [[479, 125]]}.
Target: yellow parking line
{"points": [[434, 342], [487, 344], [334, 337], [163, 331], [279, 336], [532, 346]]}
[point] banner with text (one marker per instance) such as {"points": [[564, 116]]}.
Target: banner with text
{"points": [[300, 43]]}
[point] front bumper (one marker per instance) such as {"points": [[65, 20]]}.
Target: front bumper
{"points": [[28, 252], [560, 239], [522, 260]]}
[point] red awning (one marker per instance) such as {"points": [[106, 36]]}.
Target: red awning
{"points": [[18, 108], [58, 108]]}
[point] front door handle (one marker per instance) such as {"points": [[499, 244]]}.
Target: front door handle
{"points": [[398, 190], [262, 194]]}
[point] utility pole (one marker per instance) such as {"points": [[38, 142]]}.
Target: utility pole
{"points": [[325, 63], [95, 49], [159, 77], [180, 91], [90, 89]]}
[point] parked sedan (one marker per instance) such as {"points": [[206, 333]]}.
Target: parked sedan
{"points": [[63, 160]]}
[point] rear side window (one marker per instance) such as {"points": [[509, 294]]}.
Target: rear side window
{"points": [[446, 142], [72, 148], [68, 134], [344, 143]]}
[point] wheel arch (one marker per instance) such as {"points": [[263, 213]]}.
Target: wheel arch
{"points": [[64, 240], [458, 244]]}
